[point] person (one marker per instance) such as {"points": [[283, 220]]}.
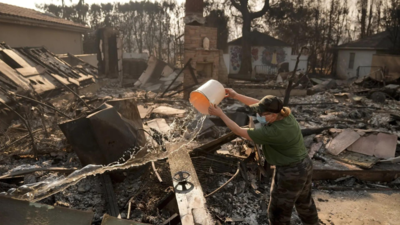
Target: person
{"points": [[283, 146]]}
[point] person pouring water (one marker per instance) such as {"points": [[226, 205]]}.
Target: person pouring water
{"points": [[283, 146]]}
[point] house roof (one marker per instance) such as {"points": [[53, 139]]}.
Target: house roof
{"points": [[377, 41], [260, 39], [16, 13]]}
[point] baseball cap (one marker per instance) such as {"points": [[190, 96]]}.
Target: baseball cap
{"points": [[269, 103]]}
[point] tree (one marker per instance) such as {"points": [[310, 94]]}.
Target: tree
{"points": [[155, 27], [247, 17], [218, 19], [392, 24]]}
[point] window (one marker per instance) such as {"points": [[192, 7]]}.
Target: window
{"points": [[351, 60]]}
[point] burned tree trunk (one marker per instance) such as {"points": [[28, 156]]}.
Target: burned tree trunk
{"points": [[291, 79], [246, 67], [243, 7]]}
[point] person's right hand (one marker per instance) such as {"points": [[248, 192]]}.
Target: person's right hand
{"points": [[230, 93]]}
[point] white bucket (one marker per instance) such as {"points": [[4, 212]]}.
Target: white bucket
{"points": [[210, 93]]}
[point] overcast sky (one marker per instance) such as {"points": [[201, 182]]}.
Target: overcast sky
{"points": [[31, 3]]}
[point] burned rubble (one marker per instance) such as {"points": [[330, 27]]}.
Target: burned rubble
{"points": [[116, 137], [122, 143], [143, 194]]}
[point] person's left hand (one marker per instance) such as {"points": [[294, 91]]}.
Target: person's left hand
{"points": [[215, 111]]}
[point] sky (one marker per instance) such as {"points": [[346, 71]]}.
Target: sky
{"points": [[31, 3]]}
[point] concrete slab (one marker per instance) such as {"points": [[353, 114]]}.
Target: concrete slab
{"points": [[358, 208]]}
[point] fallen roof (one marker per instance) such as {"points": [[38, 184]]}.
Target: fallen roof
{"points": [[260, 39], [35, 68], [377, 41], [9, 13]]}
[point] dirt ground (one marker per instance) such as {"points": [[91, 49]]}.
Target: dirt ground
{"points": [[358, 208]]}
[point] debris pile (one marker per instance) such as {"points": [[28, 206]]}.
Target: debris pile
{"points": [[132, 152]]}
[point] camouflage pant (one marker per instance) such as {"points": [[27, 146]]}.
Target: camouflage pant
{"points": [[291, 186]]}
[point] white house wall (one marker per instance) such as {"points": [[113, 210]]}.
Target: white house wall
{"points": [[56, 41], [262, 58], [303, 62], [362, 59], [227, 62]]}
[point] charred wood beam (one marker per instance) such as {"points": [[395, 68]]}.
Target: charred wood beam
{"points": [[155, 172], [366, 175], [33, 100], [166, 200], [43, 104], [227, 182], [27, 125], [184, 89], [109, 195], [18, 140], [214, 145], [188, 192], [176, 77], [70, 90], [173, 220], [341, 188], [306, 132]]}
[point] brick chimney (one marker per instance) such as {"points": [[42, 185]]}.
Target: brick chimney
{"points": [[194, 7]]}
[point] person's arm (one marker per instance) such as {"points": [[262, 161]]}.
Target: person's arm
{"points": [[242, 98], [246, 100], [239, 131]]}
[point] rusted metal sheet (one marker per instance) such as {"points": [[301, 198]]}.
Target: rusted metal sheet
{"points": [[128, 108], [17, 212], [113, 135], [103, 136], [110, 220], [79, 134]]}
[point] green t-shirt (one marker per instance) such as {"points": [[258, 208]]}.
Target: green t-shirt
{"points": [[282, 141]]}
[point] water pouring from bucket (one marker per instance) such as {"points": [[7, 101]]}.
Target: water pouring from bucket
{"points": [[210, 93]]}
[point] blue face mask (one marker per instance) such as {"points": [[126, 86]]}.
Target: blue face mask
{"points": [[261, 119]]}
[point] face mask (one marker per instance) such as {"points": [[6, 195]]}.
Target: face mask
{"points": [[261, 119]]}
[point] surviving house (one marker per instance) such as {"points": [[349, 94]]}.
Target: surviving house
{"points": [[20, 27], [363, 57], [267, 53]]}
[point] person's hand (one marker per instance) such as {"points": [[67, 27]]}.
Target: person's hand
{"points": [[215, 111], [230, 93]]}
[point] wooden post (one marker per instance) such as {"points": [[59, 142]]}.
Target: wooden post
{"points": [[192, 204]]}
